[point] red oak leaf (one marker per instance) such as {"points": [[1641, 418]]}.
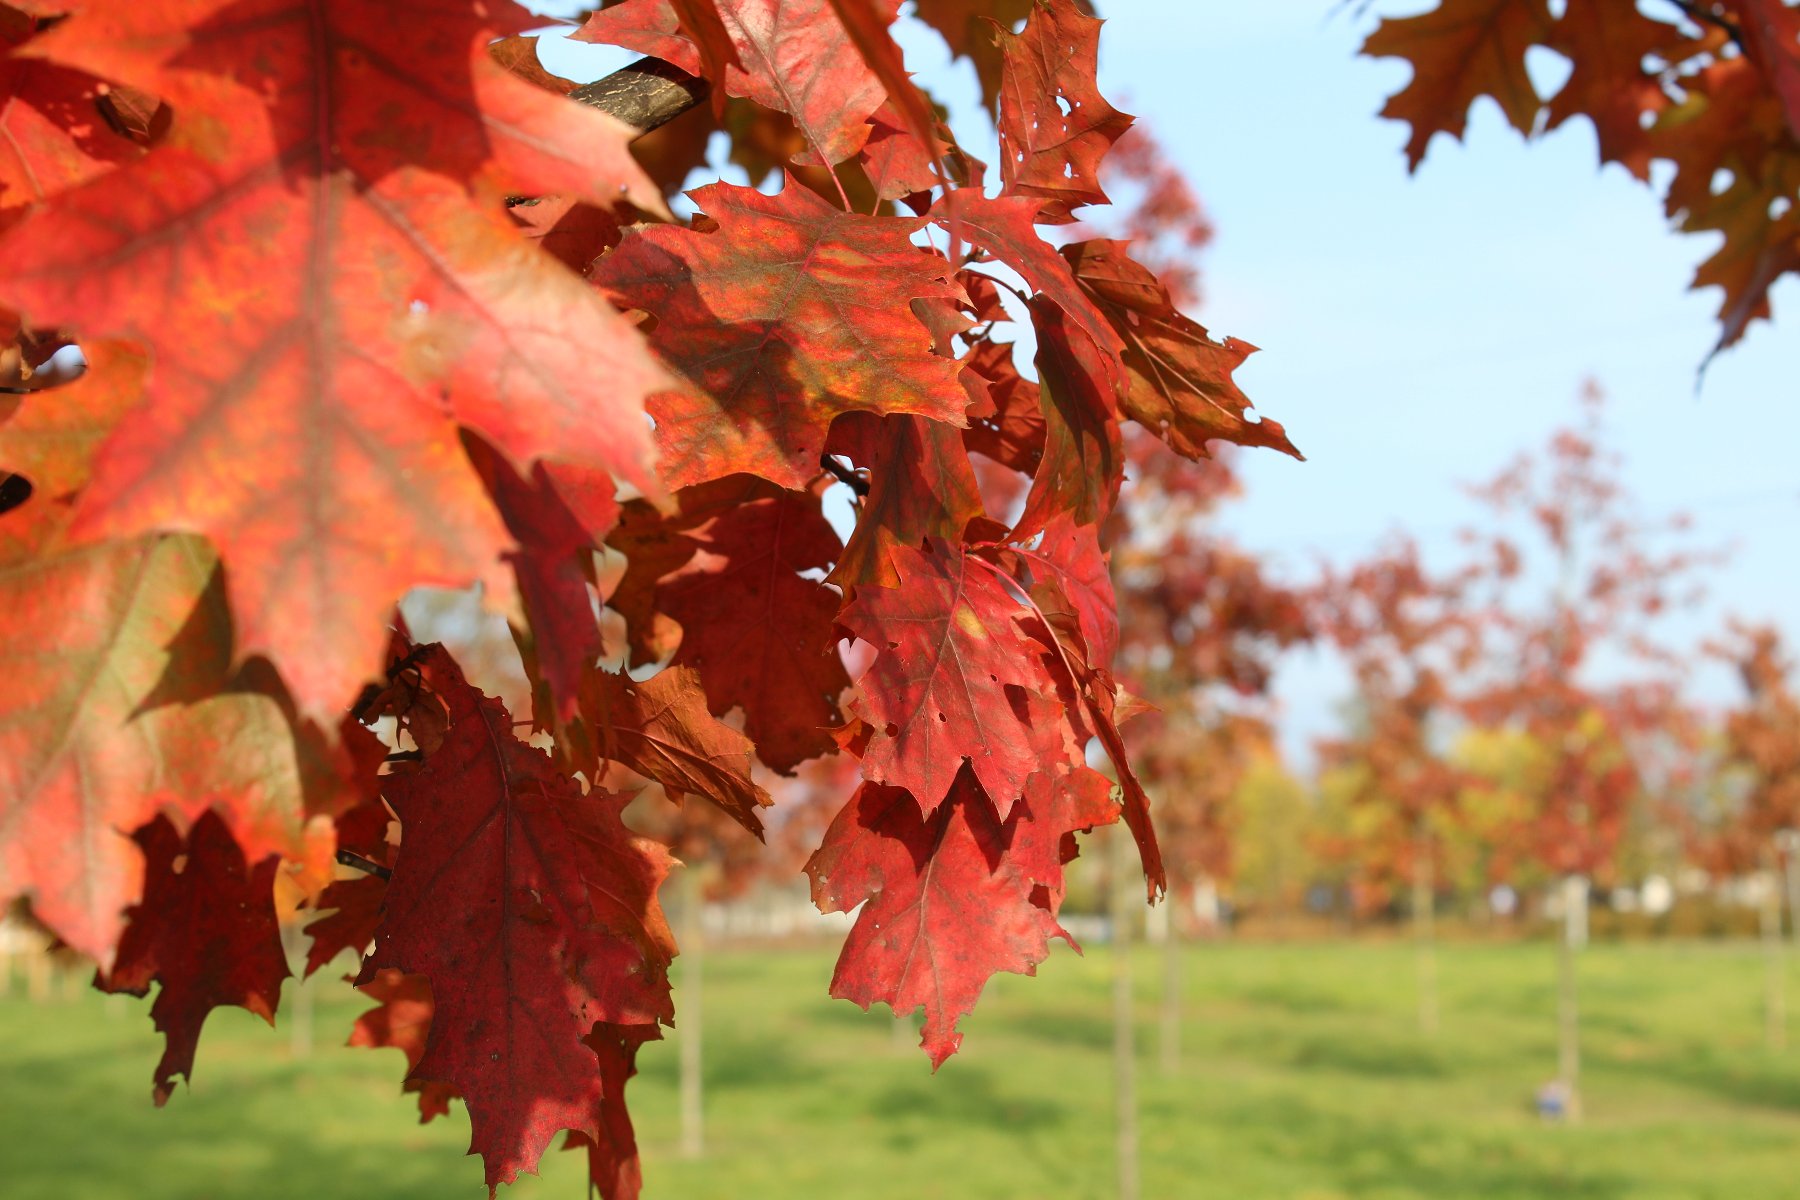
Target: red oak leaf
{"points": [[1054, 124], [952, 678], [312, 190], [1772, 34], [1091, 690], [647, 26], [1084, 458], [769, 312], [946, 903], [968, 28], [493, 899], [1179, 383], [897, 163], [866, 22], [1606, 45], [1762, 243], [519, 54], [403, 1021], [52, 437], [112, 656], [1071, 579], [53, 132], [553, 561], [760, 634], [354, 913], [794, 56], [571, 231], [1460, 50], [661, 728], [206, 931], [1004, 228], [655, 543], [1007, 425], [613, 1166], [920, 486]]}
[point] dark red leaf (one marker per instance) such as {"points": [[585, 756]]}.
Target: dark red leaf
{"points": [[769, 314], [205, 930], [531, 910]]}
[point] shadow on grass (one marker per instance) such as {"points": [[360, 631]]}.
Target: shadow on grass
{"points": [[1383, 1156], [965, 1096], [1770, 1083], [1368, 1057]]}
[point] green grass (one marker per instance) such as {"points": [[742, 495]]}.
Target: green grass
{"points": [[1302, 1077]]}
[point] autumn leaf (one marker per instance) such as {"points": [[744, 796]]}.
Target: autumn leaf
{"points": [[1054, 124], [768, 312], [793, 56], [949, 898], [493, 901], [967, 27], [310, 192], [1460, 50], [1004, 228], [661, 728], [920, 486], [866, 23], [553, 561], [53, 131], [759, 633], [1071, 579], [1771, 31], [1007, 425], [1607, 46], [205, 930], [951, 682], [353, 913], [1179, 381], [1083, 458], [110, 715], [1761, 244], [655, 542], [613, 1165], [53, 436], [402, 1021]]}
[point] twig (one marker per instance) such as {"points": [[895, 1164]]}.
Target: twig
{"points": [[357, 862], [845, 475], [646, 95], [1701, 15]]}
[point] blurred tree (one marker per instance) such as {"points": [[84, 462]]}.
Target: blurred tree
{"points": [[1762, 761], [1406, 635], [1570, 581], [1201, 625]]}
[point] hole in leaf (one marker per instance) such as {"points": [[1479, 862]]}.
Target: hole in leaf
{"points": [[14, 491]]}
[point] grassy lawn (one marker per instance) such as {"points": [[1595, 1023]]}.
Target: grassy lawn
{"points": [[1302, 1077]]}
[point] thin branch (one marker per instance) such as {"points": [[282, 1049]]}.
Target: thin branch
{"points": [[646, 95], [845, 475], [357, 862], [1700, 14]]}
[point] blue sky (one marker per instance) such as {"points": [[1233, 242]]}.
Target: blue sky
{"points": [[1417, 332]]}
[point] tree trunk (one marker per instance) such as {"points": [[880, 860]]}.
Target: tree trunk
{"points": [[1774, 964], [1424, 919], [693, 943], [1124, 1034], [1574, 935], [1789, 841]]}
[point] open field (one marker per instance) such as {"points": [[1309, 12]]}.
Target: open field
{"points": [[1302, 1077]]}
